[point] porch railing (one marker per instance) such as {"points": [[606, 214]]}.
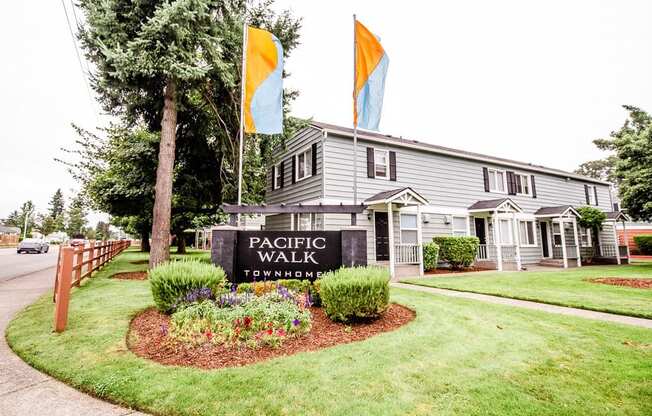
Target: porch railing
{"points": [[508, 253], [483, 253], [571, 252], [407, 253]]}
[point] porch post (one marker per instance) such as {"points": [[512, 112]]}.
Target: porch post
{"points": [[420, 240], [577, 244], [499, 253], [563, 241], [517, 241], [390, 226], [626, 240], [616, 242]]}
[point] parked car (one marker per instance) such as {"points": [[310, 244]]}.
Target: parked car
{"points": [[78, 242], [33, 245]]}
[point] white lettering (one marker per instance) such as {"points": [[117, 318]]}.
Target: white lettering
{"points": [[282, 239], [309, 255], [323, 243], [265, 256], [266, 243], [253, 241], [282, 256]]}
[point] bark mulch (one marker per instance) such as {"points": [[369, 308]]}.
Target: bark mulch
{"points": [[148, 338], [130, 276], [451, 271], [621, 281]]}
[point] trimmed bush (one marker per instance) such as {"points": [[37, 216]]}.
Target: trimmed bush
{"points": [[356, 292], [644, 244], [430, 256], [172, 281], [457, 251]]}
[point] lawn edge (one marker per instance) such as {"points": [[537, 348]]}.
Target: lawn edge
{"points": [[537, 300]]}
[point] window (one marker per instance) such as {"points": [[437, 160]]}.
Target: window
{"points": [[591, 197], [522, 184], [585, 237], [304, 164], [381, 163], [505, 231], [409, 229], [307, 222], [278, 176], [556, 234], [496, 180], [527, 233], [459, 226]]}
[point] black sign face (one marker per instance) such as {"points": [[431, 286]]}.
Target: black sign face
{"points": [[273, 255]]}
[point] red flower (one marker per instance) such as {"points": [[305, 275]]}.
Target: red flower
{"points": [[247, 321], [270, 331], [280, 332], [209, 334]]}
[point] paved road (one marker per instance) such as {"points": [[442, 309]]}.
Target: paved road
{"points": [[23, 390], [14, 265]]}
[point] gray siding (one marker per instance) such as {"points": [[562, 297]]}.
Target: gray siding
{"points": [[443, 180], [278, 222], [304, 190]]}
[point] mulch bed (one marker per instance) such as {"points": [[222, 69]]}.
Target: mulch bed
{"points": [[130, 276], [146, 339], [451, 271], [621, 281]]}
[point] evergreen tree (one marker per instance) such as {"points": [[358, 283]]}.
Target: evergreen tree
{"points": [[26, 215], [76, 216], [56, 220]]}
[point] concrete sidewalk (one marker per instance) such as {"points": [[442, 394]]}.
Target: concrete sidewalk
{"points": [[561, 310], [24, 390]]}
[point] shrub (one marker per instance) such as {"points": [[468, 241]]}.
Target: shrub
{"points": [[172, 281], [357, 292], [644, 243], [458, 251], [430, 256]]}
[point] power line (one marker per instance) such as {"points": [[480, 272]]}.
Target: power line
{"points": [[81, 66]]}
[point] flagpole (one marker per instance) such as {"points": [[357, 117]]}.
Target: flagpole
{"points": [[242, 106], [355, 127]]}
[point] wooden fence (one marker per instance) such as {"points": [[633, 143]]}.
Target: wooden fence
{"points": [[70, 272]]}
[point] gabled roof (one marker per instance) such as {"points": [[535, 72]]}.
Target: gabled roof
{"points": [[617, 216], [494, 204], [558, 211], [396, 195], [400, 141]]}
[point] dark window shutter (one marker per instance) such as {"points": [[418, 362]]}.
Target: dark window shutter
{"points": [[534, 187], [294, 169], [511, 183], [273, 177], [314, 159], [392, 166], [616, 207], [485, 174], [282, 167], [586, 193], [518, 186], [595, 192], [371, 171]]}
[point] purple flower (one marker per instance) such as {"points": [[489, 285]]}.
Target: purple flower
{"points": [[164, 330], [296, 322]]}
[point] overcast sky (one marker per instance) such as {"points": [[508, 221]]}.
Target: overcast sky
{"points": [[530, 80]]}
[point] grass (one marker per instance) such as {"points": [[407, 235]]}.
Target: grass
{"points": [[559, 287], [457, 357]]}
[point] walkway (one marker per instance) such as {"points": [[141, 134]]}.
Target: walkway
{"points": [[24, 390], [561, 310]]}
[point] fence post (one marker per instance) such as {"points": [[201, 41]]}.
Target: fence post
{"points": [[78, 262], [63, 289]]}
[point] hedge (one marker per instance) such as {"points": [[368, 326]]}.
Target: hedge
{"points": [[457, 251], [430, 256], [644, 244]]}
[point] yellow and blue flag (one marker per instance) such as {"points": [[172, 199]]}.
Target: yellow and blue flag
{"points": [[263, 92], [371, 64]]}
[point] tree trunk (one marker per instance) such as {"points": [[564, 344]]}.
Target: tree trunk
{"points": [[181, 243], [144, 241], [160, 251]]}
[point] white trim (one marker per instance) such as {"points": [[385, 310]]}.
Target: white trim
{"points": [[495, 172], [386, 151], [401, 229], [510, 232], [465, 155], [534, 233], [303, 152], [277, 169]]}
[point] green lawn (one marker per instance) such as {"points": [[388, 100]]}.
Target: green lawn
{"points": [[559, 287], [457, 357]]}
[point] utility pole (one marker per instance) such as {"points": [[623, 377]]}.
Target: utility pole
{"points": [[27, 214]]}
